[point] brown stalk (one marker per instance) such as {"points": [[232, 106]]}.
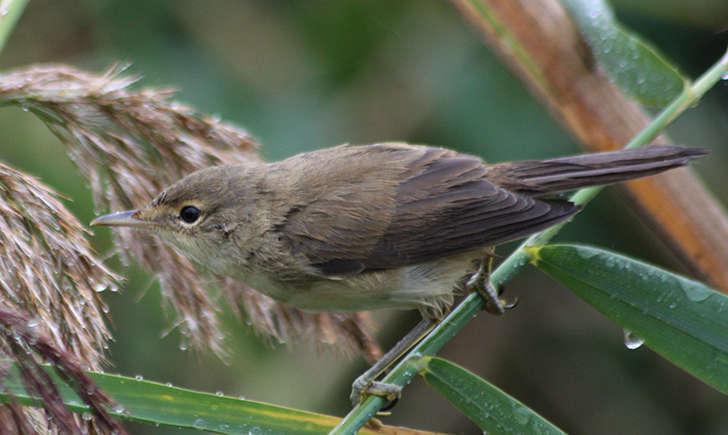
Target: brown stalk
{"points": [[542, 45]]}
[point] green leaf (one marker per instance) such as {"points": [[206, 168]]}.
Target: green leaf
{"points": [[152, 402], [12, 10], [486, 405], [683, 320], [634, 65]]}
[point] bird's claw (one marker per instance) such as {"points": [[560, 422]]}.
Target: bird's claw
{"points": [[493, 303], [360, 389], [501, 307], [480, 283]]}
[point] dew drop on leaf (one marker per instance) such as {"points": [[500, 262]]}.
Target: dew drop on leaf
{"points": [[199, 423], [632, 341]]}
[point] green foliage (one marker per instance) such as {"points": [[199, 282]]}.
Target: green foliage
{"points": [[493, 410], [635, 66], [681, 319], [290, 114], [152, 402]]}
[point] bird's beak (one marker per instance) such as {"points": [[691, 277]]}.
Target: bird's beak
{"points": [[120, 219]]}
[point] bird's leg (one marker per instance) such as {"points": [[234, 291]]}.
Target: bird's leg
{"points": [[480, 283], [367, 385]]}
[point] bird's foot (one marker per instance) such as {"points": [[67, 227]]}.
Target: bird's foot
{"points": [[480, 282], [362, 388], [366, 384]]}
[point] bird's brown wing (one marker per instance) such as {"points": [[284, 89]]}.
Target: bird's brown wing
{"points": [[403, 205]]}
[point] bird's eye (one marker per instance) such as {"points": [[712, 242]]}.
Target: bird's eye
{"points": [[190, 214]]}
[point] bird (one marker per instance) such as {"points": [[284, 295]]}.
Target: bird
{"points": [[363, 227], [387, 225]]}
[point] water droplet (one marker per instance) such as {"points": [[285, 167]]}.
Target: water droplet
{"points": [[199, 423], [139, 377], [219, 393], [632, 341], [694, 291], [169, 384], [522, 415], [183, 346], [87, 416], [32, 323], [725, 76]]}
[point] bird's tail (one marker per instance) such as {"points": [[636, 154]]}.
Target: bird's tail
{"points": [[544, 177]]}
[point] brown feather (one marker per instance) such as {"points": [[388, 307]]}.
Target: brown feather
{"points": [[547, 177], [404, 205]]}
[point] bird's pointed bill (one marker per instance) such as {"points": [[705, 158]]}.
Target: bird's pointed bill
{"points": [[119, 219]]}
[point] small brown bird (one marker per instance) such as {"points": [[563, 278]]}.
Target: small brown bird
{"points": [[355, 228]]}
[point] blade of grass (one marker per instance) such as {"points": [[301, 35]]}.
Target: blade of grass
{"points": [[677, 317], [159, 404], [10, 12], [636, 66], [486, 405]]}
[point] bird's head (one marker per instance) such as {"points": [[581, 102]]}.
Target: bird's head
{"points": [[196, 215]]}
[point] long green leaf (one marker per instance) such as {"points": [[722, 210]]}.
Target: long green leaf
{"points": [[9, 16], [683, 320], [486, 405], [634, 65], [152, 402]]}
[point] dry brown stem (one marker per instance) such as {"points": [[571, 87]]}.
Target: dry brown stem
{"points": [[543, 46]]}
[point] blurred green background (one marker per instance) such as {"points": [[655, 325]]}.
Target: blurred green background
{"points": [[305, 75]]}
